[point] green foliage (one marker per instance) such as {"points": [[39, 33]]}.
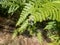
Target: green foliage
{"points": [[12, 6], [39, 36], [37, 11], [51, 25], [53, 32], [40, 12], [33, 11]]}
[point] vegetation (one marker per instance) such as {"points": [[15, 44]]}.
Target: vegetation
{"points": [[35, 16]]}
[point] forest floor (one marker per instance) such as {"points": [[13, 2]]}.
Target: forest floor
{"points": [[6, 39], [6, 28]]}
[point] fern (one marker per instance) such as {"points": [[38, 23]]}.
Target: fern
{"points": [[39, 11], [26, 11], [21, 29], [49, 10], [33, 11], [46, 11], [11, 5]]}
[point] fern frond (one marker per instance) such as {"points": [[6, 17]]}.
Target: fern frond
{"points": [[26, 11], [38, 11], [47, 11], [23, 27], [20, 29], [12, 7]]}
